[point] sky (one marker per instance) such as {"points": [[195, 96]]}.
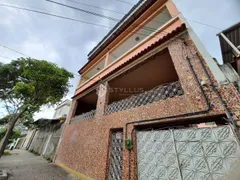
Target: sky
{"points": [[67, 43]]}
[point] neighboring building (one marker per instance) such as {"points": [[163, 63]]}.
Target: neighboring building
{"points": [[62, 109], [151, 103], [44, 140], [230, 47]]}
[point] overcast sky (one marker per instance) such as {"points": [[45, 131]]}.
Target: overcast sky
{"points": [[67, 43]]}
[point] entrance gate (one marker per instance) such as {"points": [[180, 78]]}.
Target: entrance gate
{"points": [[115, 166], [186, 154]]}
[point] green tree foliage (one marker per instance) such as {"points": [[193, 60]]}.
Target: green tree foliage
{"points": [[27, 84], [4, 120], [15, 134]]}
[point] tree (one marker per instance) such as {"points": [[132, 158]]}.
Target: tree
{"points": [[26, 84], [15, 134]]}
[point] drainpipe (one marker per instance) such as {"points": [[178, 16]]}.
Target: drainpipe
{"points": [[174, 116], [128, 143], [220, 98]]}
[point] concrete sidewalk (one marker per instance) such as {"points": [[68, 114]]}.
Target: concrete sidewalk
{"points": [[23, 165]]}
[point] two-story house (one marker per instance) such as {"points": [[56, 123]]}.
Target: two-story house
{"points": [[151, 104]]}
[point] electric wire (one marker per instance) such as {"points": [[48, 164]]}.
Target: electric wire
{"points": [[76, 20], [198, 22], [104, 9], [54, 15], [125, 2], [97, 7], [102, 16], [12, 50], [5, 57]]}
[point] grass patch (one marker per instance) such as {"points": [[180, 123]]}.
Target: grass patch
{"points": [[7, 153]]}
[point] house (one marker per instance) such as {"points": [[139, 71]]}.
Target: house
{"points": [[44, 139], [62, 109], [151, 103]]}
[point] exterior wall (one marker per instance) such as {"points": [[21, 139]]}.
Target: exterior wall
{"points": [[28, 139], [84, 145], [62, 109], [19, 143], [52, 145], [216, 71], [45, 142]]}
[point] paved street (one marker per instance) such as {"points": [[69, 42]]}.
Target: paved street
{"points": [[23, 165]]}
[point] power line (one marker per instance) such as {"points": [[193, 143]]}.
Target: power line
{"points": [[67, 18], [83, 10], [102, 16], [125, 2], [5, 57], [54, 15], [198, 22], [12, 49], [97, 7]]}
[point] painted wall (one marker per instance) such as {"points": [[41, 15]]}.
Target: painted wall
{"points": [[62, 109], [28, 139], [45, 142]]}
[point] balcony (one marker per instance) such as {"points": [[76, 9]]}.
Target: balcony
{"points": [[85, 107], [84, 116], [158, 93], [152, 80], [134, 40], [97, 68]]}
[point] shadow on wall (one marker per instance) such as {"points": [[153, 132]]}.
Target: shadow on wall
{"points": [[234, 174]]}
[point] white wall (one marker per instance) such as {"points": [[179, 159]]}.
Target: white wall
{"points": [[62, 109]]}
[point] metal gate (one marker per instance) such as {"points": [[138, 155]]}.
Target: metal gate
{"points": [[115, 166], [186, 154]]}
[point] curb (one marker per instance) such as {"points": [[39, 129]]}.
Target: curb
{"points": [[3, 175]]}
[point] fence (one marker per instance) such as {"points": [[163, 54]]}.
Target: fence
{"points": [[158, 93]]}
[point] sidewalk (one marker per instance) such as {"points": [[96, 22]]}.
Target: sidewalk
{"points": [[23, 165]]}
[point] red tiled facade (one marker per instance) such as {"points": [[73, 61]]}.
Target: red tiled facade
{"points": [[85, 144]]}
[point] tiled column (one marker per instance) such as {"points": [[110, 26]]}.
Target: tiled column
{"points": [[102, 92]]}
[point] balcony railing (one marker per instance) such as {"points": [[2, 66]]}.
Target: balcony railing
{"points": [[158, 93], [84, 116]]}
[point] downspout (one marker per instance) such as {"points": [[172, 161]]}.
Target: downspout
{"points": [[179, 115], [128, 141], [220, 98], [188, 114]]}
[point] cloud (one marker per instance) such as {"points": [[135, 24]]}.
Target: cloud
{"points": [[45, 112], [67, 43]]}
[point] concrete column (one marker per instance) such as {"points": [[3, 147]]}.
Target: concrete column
{"points": [[106, 60], [102, 92]]}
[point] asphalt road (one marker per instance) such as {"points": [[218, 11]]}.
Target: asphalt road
{"points": [[23, 165]]}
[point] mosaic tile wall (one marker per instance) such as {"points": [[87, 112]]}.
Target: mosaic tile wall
{"points": [[84, 146]]}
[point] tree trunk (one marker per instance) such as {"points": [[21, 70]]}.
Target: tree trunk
{"points": [[10, 127]]}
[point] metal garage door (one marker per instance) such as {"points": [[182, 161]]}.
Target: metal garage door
{"points": [[186, 154]]}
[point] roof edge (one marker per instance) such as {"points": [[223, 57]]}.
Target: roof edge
{"points": [[128, 19]]}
